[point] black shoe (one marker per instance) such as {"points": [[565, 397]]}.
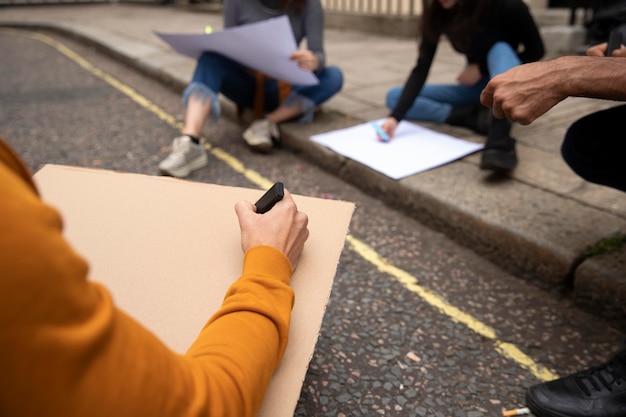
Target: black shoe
{"points": [[498, 159], [596, 392], [475, 117]]}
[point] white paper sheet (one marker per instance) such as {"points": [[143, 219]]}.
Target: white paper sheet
{"points": [[413, 148], [263, 46]]}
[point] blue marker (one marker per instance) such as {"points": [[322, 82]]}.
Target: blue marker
{"points": [[381, 133]]}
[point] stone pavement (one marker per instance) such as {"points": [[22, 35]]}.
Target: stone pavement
{"points": [[540, 223]]}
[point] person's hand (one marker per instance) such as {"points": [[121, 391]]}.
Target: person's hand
{"points": [[305, 59], [389, 126], [619, 52], [523, 93], [283, 227], [470, 75], [600, 50], [597, 50]]}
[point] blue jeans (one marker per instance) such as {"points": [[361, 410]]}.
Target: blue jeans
{"points": [[216, 73], [435, 101]]}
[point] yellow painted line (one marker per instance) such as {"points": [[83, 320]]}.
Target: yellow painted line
{"points": [[238, 166], [411, 283], [134, 95], [513, 352], [231, 161]]}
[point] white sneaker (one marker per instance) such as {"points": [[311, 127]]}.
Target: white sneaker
{"points": [[184, 157], [260, 134]]}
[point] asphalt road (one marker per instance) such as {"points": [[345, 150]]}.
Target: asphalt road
{"points": [[418, 326]]}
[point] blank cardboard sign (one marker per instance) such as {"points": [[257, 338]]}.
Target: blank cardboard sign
{"points": [[168, 250]]}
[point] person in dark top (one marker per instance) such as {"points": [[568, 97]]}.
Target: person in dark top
{"points": [[494, 35], [594, 147]]}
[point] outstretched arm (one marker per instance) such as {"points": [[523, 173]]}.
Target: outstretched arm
{"points": [[67, 350], [524, 93]]}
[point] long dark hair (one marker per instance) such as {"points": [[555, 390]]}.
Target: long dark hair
{"points": [[457, 23]]}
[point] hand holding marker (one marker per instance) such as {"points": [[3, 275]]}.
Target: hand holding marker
{"points": [[381, 133], [271, 197]]}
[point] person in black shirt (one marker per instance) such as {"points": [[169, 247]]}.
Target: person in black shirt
{"points": [[494, 35]]}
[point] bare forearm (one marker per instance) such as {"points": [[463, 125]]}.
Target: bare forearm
{"points": [[591, 76], [527, 91]]}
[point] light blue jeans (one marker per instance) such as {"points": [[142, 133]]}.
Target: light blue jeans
{"points": [[435, 101], [216, 73]]}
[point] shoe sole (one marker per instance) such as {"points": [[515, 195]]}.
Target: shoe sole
{"points": [[262, 147], [537, 411], [183, 172], [498, 161]]}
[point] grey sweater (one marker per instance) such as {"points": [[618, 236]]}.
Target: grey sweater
{"points": [[309, 23]]}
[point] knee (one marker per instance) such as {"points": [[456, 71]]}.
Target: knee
{"points": [[334, 78], [501, 47], [392, 98], [501, 53]]}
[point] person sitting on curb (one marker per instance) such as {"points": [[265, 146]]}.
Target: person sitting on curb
{"points": [[216, 73], [68, 350], [594, 147], [494, 35]]}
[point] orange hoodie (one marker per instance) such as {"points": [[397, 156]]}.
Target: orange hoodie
{"points": [[67, 350]]}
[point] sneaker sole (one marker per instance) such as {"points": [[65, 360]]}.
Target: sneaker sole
{"points": [[498, 161], [183, 172], [263, 147]]}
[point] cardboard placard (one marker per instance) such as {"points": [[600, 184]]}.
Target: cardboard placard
{"points": [[168, 249]]}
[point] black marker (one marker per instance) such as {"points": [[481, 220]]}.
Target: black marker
{"points": [[615, 42], [271, 197]]}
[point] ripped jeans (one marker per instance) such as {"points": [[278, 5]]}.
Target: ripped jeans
{"points": [[216, 73]]}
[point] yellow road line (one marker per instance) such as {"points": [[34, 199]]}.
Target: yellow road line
{"points": [[411, 283]]}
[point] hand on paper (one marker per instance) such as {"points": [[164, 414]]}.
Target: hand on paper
{"points": [[389, 126], [283, 227], [306, 60]]}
